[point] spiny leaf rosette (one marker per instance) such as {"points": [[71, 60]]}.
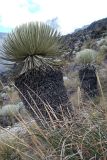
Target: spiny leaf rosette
{"points": [[30, 44], [33, 45]]}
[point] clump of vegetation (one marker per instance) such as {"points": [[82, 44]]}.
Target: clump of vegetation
{"points": [[99, 46], [8, 150], [86, 56], [102, 46]]}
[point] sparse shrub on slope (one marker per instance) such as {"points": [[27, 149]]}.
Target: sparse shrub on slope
{"points": [[86, 56], [101, 46]]}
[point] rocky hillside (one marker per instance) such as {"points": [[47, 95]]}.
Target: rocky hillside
{"points": [[94, 31]]}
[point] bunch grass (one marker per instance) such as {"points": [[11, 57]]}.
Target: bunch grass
{"points": [[83, 136]]}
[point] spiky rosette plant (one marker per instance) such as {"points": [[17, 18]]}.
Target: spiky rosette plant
{"points": [[87, 73], [32, 46]]}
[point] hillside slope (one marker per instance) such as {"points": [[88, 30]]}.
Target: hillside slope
{"points": [[94, 31]]}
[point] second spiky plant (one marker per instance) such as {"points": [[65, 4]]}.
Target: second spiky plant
{"points": [[87, 73]]}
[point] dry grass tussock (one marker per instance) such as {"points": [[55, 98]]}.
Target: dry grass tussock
{"points": [[81, 137]]}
